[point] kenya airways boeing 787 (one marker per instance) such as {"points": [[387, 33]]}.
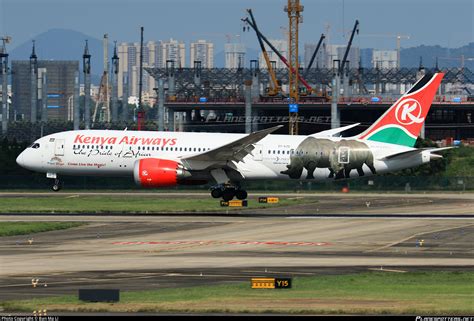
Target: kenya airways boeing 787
{"points": [[159, 159]]}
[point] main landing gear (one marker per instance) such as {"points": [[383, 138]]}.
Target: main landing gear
{"points": [[57, 185], [228, 192]]}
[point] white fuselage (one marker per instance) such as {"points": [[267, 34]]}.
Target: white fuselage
{"points": [[114, 153]]}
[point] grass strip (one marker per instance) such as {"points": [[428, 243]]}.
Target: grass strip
{"points": [[433, 293], [22, 228], [124, 204]]}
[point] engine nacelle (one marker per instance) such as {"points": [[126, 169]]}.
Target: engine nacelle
{"points": [[156, 172]]}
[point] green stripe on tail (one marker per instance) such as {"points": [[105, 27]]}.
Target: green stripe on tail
{"points": [[393, 135]]}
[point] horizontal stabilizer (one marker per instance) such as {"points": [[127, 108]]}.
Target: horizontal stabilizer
{"points": [[333, 132], [416, 151]]}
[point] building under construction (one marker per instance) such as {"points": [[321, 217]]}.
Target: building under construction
{"points": [[44, 90]]}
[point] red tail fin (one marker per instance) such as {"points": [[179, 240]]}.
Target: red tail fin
{"points": [[401, 124]]}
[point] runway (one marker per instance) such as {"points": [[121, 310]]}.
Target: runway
{"points": [[152, 252]]}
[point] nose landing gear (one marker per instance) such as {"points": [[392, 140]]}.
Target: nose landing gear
{"points": [[57, 185]]}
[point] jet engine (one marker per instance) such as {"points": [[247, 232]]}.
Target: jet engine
{"points": [[156, 172]]}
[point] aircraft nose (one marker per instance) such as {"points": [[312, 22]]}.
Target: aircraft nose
{"points": [[20, 161]]}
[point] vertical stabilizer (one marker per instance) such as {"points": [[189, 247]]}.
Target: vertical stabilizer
{"points": [[402, 122]]}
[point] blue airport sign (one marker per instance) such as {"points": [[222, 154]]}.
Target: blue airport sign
{"points": [[456, 99], [54, 106], [202, 99], [54, 95], [375, 99], [293, 108]]}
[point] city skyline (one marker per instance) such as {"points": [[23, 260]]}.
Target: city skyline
{"points": [[449, 24]]}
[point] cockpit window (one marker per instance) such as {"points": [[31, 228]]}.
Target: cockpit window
{"points": [[35, 145]]}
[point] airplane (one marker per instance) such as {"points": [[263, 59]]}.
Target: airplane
{"points": [[163, 158]]}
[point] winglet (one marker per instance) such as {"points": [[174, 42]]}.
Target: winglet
{"points": [[333, 132]]}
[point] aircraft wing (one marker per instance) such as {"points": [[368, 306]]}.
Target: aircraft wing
{"points": [[234, 151], [416, 151], [333, 132]]}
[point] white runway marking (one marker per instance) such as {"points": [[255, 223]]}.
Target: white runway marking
{"points": [[223, 242]]}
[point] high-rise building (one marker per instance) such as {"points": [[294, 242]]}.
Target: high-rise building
{"points": [[155, 54], [234, 55], [281, 46], [171, 50], [57, 96], [384, 58], [366, 55], [202, 51], [129, 64]]}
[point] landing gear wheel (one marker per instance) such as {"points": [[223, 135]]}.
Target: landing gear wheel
{"points": [[216, 193], [228, 195], [241, 194], [56, 186]]}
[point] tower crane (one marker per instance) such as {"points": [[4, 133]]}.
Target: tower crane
{"points": [[462, 59], [294, 9]]}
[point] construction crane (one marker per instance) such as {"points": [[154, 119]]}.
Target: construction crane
{"points": [[282, 58], [294, 9], [102, 105], [462, 59], [315, 53], [398, 36], [274, 88], [348, 48]]}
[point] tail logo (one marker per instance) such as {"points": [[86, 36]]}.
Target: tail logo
{"points": [[408, 112]]}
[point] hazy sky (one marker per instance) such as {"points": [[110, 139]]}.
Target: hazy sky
{"points": [[448, 23]]}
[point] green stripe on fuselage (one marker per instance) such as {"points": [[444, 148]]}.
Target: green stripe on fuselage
{"points": [[393, 135]]}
